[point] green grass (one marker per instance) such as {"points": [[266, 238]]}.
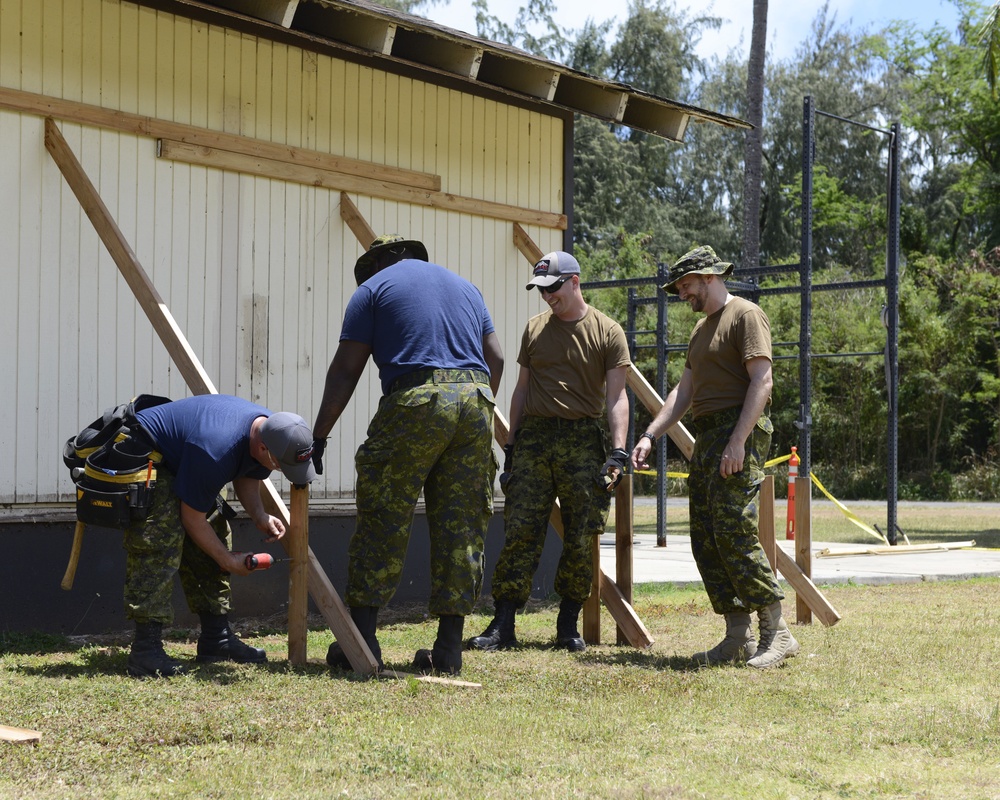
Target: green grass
{"points": [[920, 522], [898, 700], [892, 702]]}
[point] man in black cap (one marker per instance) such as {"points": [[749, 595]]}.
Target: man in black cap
{"points": [[205, 442], [573, 365], [727, 384], [431, 336]]}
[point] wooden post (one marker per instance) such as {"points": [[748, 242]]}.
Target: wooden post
{"points": [[298, 575], [803, 542], [183, 356], [623, 545], [765, 528], [592, 608]]}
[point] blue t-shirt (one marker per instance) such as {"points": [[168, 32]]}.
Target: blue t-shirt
{"points": [[416, 315], [205, 442]]}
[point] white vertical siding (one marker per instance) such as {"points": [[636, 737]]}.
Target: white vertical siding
{"points": [[257, 272]]}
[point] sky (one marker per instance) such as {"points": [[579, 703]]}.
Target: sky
{"points": [[788, 20]]}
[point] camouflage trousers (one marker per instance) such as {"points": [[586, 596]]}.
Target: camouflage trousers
{"points": [[435, 436], [158, 549], [724, 517], [552, 458]]}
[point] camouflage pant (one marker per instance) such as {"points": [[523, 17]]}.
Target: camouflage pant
{"points": [[437, 437], [158, 549], [724, 517], [552, 458]]}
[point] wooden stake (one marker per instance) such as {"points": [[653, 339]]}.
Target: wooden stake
{"points": [[592, 606], [298, 585], [623, 545]]}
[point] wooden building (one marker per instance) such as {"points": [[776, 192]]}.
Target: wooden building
{"points": [[240, 146]]}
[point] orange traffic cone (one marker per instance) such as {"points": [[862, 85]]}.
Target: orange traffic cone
{"points": [[793, 473]]}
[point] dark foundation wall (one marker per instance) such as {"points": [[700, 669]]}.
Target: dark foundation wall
{"points": [[35, 555]]}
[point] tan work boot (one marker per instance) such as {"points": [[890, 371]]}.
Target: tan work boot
{"points": [[776, 641], [738, 646]]}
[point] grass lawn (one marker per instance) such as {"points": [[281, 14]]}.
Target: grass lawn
{"points": [[898, 700]]}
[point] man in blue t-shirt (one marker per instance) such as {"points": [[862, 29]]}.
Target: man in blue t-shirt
{"points": [[205, 442], [439, 360]]}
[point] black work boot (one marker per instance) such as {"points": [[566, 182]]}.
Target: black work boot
{"points": [[567, 635], [446, 657], [366, 618], [147, 658], [217, 642], [499, 634]]}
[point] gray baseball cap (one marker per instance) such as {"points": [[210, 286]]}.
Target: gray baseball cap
{"points": [[289, 439], [552, 267]]}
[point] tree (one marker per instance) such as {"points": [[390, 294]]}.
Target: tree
{"points": [[755, 116]]}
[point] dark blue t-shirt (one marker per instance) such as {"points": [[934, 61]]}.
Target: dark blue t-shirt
{"points": [[205, 442], [416, 315]]}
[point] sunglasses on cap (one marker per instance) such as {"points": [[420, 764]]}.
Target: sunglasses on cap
{"points": [[555, 287]]}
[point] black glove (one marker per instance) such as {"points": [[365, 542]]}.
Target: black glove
{"points": [[319, 447], [508, 466], [618, 460]]}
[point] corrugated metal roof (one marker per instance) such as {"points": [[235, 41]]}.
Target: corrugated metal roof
{"points": [[369, 30]]}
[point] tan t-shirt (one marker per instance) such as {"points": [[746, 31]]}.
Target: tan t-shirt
{"points": [[720, 346], [568, 362]]}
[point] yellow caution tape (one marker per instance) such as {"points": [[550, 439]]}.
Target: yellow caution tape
{"points": [[781, 460], [847, 513]]}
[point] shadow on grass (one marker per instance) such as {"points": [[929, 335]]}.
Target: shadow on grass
{"points": [[34, 643], [642, 660]]}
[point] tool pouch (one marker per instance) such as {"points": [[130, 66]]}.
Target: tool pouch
{"points": [[117, 485], [114, 466]]}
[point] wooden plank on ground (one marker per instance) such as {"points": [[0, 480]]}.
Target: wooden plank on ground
{"points": [[96, 116], [19, 735], [897, 550], [325, 596], [361, 184]]}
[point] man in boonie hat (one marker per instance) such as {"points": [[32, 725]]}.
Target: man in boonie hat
{"points": [[727, 384], [430, 334], [700, 261], [385, 250]]}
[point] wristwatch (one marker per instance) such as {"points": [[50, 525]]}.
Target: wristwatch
{"points": [[648, 435]]}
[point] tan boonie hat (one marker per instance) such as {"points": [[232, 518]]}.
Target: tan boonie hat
{"points": [[700, 261], [364, 267]]}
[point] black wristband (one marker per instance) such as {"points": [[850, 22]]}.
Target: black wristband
{"points": [[649, 436]]}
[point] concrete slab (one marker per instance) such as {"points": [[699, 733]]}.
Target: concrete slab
{"points": [[675, 564]]}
